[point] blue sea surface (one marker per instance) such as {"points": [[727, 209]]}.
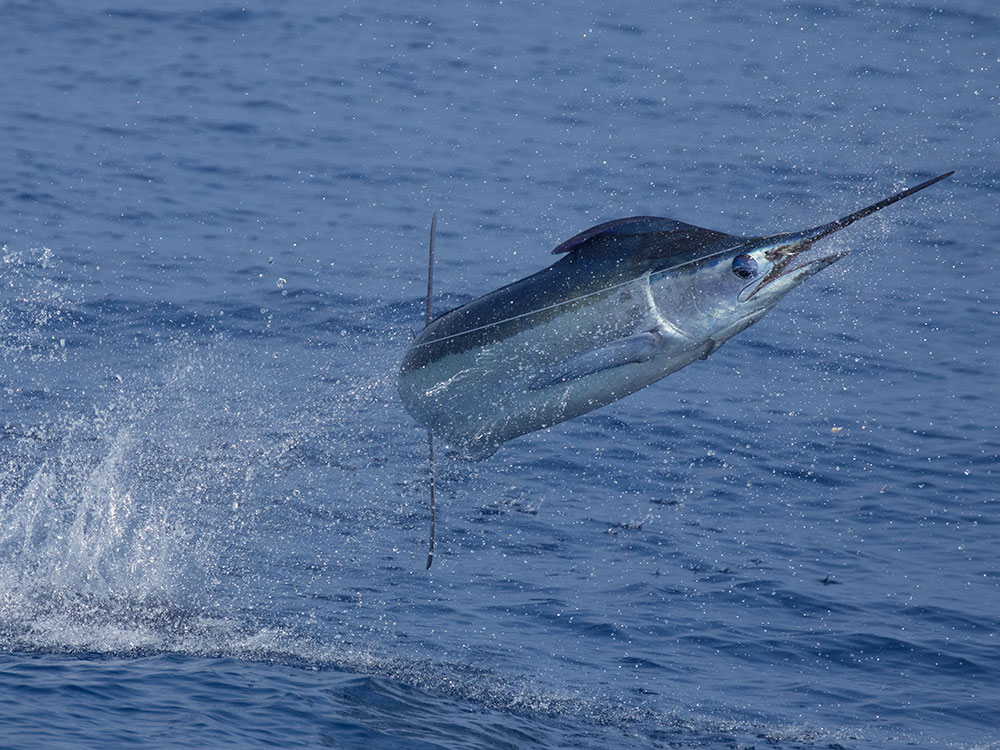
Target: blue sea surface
{"points": [[214, 509]]}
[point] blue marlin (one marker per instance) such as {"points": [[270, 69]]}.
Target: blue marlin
{"points": [[630, 302]]}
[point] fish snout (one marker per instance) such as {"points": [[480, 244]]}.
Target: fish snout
{"points": [[792, 263]]}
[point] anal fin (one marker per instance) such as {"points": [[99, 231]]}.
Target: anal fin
{"points": [[630, 350]]}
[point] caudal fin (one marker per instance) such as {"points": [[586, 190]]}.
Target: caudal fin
{"points": [[430, 435]]}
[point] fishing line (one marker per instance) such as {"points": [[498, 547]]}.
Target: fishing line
{"points": [[571, 300]]}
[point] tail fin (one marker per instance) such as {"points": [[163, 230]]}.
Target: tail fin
{"points": [[430, 435], [430, 271]]}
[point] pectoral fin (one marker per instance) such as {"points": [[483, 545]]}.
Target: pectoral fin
{"points": [[631, 350]]}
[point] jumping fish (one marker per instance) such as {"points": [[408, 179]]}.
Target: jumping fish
{"points": [[631, 301]]}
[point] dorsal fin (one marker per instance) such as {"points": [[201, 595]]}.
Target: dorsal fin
{"points": [[630, 225], [636, 226]]}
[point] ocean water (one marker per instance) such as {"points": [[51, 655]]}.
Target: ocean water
{"points": [[213, 508]]}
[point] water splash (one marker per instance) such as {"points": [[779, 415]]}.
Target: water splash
{"points": [[103, 519], [147, 514], [34, 304]]}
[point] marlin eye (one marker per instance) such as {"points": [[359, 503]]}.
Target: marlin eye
{"points": [[744, 266]]}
